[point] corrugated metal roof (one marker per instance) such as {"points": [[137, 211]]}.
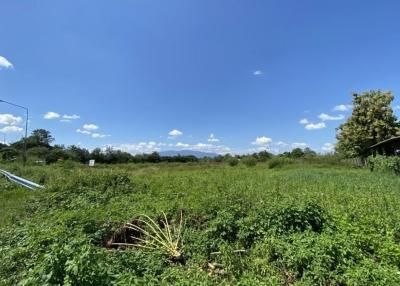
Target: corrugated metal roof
{"points": [[385, 141]]}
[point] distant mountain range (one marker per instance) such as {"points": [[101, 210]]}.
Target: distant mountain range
{"points": [[197, 154]]}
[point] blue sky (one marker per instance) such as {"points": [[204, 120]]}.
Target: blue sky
{"points": [[159, 75]]}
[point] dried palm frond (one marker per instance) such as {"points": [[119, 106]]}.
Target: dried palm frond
{"points": [[166, 238]]}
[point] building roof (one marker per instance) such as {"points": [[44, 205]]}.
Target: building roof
{"points": [[385, 141]]}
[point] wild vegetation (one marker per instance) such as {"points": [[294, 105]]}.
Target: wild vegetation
{"points": [[300, 223]]}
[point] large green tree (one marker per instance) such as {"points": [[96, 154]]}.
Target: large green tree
{"points": [[372, 121], [42, 137], [38, 138]]}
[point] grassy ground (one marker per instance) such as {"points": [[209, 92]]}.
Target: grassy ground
{"points": [[13, 202], [297, 225]]}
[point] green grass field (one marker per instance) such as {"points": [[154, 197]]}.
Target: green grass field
{"points": [[302, 224]]}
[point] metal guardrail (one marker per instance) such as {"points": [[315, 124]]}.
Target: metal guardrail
{"points": [[21, 181]]}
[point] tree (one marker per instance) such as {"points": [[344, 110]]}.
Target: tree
{"points": [[38, 138], [308, 152], [154, 157], [76, 153], [97, 155], [264, 156], [8, 153], [112, 156], [42, 137], [297, 153], [38, 152], [56, 154], [372, 121]]}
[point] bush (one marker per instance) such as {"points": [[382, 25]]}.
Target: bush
{"points": [[250, 161], [55, 155], [77, 263], [311, 217], [233, 161], [8, 153], [278, 162], [38, 152], [384, 164]]}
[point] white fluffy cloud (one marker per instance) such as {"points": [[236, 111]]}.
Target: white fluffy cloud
{"points": [[257, 72], [88, 131], [4, 63], [51, 115], [11, 129], [182, 145], [151, 146], [83, 131], [175, 133], [278, 147], [93, 135], [9, 119], [261, 141], [219, 149], [315, 126], [325, 117], [99, 135], [204, 147], [70, 117], [342, 107], [90, 127], [304, 121], [275, 147], [328, 147], [64, 118], [139, 148], [212, 138], [299, 145]]}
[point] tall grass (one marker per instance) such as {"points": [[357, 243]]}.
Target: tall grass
{"points": [[301, 224]]}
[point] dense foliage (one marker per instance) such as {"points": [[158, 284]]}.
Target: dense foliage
{"points": [[384, 164], [300, 224], [372, 121]]}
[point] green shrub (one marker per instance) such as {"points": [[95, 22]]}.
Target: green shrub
{"points": [[77, 263], [310, 217], [279, 162], [281, 221], [224, 226], [384, 164], [249, 161], [233, 161]]}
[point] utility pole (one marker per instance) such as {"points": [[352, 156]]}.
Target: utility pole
{"points": [[26, 126]]}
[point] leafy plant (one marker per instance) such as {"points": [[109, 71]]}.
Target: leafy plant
{"points": [[278, 162], [233, 161], [249, 161], [384, 164], [292, 218]]}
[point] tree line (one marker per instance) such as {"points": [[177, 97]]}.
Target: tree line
{"points": [[40, 150]]}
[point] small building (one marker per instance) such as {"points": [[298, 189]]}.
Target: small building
{"points": [[388, 147]]}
